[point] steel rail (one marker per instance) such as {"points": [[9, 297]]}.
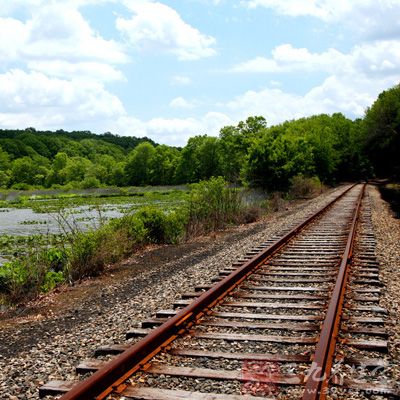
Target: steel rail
{"points": [[112, 376], [319, 374]]}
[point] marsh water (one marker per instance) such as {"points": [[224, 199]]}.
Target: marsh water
{"points": [[25, 221], [53, 216]]}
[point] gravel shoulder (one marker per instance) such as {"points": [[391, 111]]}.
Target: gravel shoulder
{"points": [[47, 339], [387, 231]]}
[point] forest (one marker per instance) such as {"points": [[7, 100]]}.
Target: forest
{"points": [[330, 147]]}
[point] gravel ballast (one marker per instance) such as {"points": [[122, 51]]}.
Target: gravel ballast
{"points": [[387, 231], [48, 347]]}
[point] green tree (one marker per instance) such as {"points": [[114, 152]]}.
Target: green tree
{"points": [[382, 132], [199, 160], [138, 166], [272, 162], [163, 165], [234, 144], [4, 168], [118, 176], [29, 171]]}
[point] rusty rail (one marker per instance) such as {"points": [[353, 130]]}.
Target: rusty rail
{"points": [[112, 376], [318, 376]]}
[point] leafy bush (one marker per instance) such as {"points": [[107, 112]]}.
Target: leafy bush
{"points": [[19, 280], [90, 182], [57, 259], [251, 214], [211, 206], [51, 280], [304, 188], [132, 226], [161, 227], [85, 259]]}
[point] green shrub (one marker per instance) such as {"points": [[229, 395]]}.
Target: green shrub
{"points": [[84, 254], [90, 182], [303, 188], [51, 280], [132, 226], [159, 226], [211, 206], [20, 279], [56, 258]]}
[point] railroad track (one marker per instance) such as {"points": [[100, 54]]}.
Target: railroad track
{"points": [[297, 317]]}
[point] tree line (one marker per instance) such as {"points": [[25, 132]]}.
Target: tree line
{"points": [[330, 147]]}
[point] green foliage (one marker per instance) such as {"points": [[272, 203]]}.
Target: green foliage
{"points": [[86, 254], [381, 127], [211, 206], [56, 258], [51, 280], [21, 278], [199, 160], [138, 167], [159, 226], [92, 251], [90, 182], [163, 165], [234, 143], [272, 161], [303, 188], [331, 147]]}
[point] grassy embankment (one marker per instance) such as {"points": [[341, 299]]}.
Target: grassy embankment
{"points": [[208, 206]]}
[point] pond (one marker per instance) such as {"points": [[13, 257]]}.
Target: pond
{"points": [[37, 219]]}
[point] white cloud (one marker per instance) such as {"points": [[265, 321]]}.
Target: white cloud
{"points": [[158, 27], [286, 58], [60, 32], [370, 59], [181, 80], [177, 131], [370, 18], [171, 131], [353, 81], [34, 99], [57, 40], [94, 71], [180, 102], [347, 94], [13, 36], [294, 8]]}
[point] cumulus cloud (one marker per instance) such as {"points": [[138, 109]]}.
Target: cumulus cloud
{"points": [[181, 80], [56, 32], [159, 27], [370, 59], [180, 102], [286, 58], [94, 71], [350, 95], [62, 67], [172, 131], [37, 100], [13, 36], [374, 19]]}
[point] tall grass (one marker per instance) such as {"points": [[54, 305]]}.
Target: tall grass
{"points": [[211, 206], [302, 187]]}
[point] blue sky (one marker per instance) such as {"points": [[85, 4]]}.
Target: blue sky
{"points": [[173, 69]]}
